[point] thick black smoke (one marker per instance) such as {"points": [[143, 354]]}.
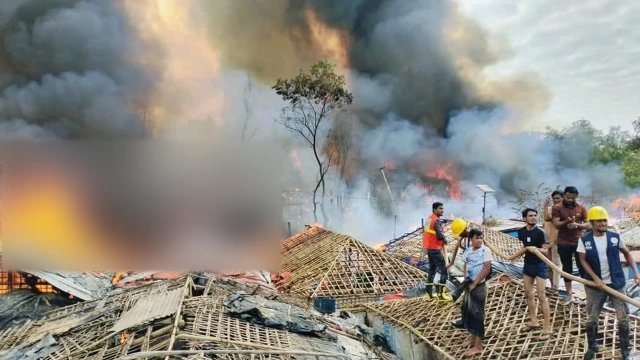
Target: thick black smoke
{"points": [[71, 69], [400, 44]]}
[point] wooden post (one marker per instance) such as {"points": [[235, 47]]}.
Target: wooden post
{"points": [[422, 221], [289, 226]]}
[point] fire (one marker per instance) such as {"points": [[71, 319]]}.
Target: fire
{"points": [[189, 86], [332, 43], [48, 216], [124, 336], [628, 206], [380, 247], [317, 225], [446, 172], [390, 165], [296, 158]]}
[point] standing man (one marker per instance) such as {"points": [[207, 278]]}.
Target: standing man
{"points": [[433, 241], [460, 230], [477, 267], [569, 218], [552, 234], [535, 271], [600, 255]]}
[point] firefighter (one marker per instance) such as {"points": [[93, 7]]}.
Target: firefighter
{"points": [[599, 252], [433, 242]]}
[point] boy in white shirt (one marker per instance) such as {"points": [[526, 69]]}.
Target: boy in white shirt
{"points": [[477, 267]]}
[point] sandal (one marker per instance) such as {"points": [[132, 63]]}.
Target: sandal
{"points": [[528, 328], [545, 336]]}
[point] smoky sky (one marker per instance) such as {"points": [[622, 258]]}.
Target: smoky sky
{"points": [[400, 43], [70, 69]]}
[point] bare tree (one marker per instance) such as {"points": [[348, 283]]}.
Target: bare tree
{"points": [[313, 99], [248, 109], [531, 199]]}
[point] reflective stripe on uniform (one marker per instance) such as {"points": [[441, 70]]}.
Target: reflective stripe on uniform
{"points": [[427, 230]]}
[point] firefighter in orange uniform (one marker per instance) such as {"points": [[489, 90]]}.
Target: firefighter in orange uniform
{"points": [[433, 241]]}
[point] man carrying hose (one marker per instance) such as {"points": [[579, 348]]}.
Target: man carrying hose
{"points": [[599, 252], [433, 241], [535, 271], [460, 230]]}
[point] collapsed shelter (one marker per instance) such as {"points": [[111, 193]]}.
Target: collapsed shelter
{"points": [[201, 314]]}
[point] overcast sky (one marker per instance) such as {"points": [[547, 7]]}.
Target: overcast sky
{"points": [[587, 52]]}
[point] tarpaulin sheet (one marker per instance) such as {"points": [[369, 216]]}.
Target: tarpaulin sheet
{"points": [[258, 310], [39, 350]]}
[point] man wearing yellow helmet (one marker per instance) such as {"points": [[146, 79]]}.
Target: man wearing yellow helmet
{"points": [[599, 252], [460, 230]]}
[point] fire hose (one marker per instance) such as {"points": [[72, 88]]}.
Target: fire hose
{"points": [[556, 269]]}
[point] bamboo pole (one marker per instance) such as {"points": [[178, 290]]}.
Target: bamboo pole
{"points": [[556, 269], [148, 354], [185, 292]]}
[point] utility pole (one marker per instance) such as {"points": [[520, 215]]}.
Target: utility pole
{"points": [[486, 190], [393, 202]]}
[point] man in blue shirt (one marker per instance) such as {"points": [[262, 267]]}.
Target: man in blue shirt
{"points": [[599, 252]]}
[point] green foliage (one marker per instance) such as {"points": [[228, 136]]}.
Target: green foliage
{"points": [[313, 96], [631, 169], [616, 146]]}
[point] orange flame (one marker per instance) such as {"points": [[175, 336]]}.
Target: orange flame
{"points": [[628, 206], [333, 43], [49, 216], [380, 247], [316, 225], [188, 88], [446, 172]]}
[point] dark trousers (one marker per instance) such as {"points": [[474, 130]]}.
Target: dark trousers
{"points": [[595, 302], [566, 254], [436, 265], [473, 305]]}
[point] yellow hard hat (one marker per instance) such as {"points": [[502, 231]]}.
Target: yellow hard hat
{"points": [[597, 213], [457, 227]]}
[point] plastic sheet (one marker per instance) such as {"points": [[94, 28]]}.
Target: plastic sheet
{"points": [[258, 310], [22, 305]]}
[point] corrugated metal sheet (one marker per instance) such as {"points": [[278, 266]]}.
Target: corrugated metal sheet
{"points": [[81, 285], [152, 307]]}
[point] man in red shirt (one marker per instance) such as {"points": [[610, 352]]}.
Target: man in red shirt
{"points": [[570, 218], [433, 241]]}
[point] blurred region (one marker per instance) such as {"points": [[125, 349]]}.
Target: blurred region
{"points": [[141, 205]]}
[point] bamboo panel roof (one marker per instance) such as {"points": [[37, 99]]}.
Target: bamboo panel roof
{"points": [[505, 315], [334, 265], [410, 244]]}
